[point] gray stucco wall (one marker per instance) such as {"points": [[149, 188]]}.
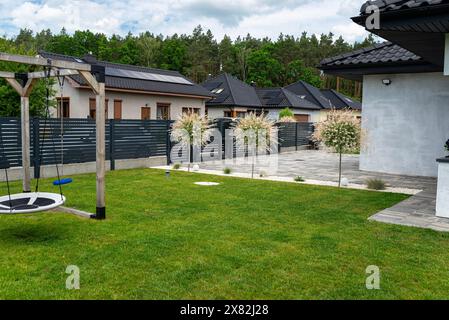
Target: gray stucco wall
{"points": [[405, 124]]}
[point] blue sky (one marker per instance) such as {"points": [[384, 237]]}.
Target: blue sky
{"points": [[232, 17]]}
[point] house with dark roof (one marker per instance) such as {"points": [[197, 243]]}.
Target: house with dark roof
{"points": [[405, 89], [325, 99], [132, 92], [232, 97], [235, 98], [276, 99]]}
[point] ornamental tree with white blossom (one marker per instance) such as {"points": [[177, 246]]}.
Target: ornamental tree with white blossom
{"points": [[341, 131]]}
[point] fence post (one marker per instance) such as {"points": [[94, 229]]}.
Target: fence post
{"points": [[223, 139], [279, 137], [296, 135], [168, 142], [36, 148], [112, 143]]}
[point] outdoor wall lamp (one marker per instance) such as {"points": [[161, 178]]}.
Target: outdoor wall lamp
{"points": [[386, 82]]}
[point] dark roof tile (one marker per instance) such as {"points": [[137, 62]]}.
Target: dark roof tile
{"points": [[394, 5], [386, 52], [234, 92], [340, 101], [283, 98], [310, 93]]}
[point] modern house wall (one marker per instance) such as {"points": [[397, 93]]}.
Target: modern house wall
{"points": [[132, 103], [405, 124]]}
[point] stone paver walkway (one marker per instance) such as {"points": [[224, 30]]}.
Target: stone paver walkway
{"points": [[417, 211]]}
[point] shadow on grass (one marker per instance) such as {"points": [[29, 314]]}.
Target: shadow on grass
{"points": [[32, 234]]}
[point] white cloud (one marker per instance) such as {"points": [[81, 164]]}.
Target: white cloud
{"points": [[234, 17]]}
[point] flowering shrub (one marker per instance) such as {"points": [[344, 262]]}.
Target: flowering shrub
{"points": [[252, 128], [191, 129], [341, 131], [259, 132]]}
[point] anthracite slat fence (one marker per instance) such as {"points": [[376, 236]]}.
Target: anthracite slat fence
{"points": [[295, 134], [125, 139]]}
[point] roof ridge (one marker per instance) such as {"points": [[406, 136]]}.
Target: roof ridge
{"points": [[287, 96], [230, 87], [308, 90], [338, 95]]}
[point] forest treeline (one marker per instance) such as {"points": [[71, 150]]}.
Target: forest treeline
{"points": [[268, 63]]}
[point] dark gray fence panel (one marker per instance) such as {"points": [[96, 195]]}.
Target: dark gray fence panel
{"points": [[304, 133], [139, 139], [287, 135], [11, 141], [132, 139], [78, 145]]}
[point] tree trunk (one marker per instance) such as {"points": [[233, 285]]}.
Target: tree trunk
{"points": [[252, 169], [339, 172]]}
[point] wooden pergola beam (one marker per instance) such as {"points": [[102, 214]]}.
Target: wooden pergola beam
{"points": [[23, 91], [16, 85], [91, 81], [7, 75], [39, 61], [53, 73]]}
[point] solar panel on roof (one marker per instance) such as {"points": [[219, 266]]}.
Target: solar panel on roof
{"points": [[123, 73], [275, 101], [271, 94]]}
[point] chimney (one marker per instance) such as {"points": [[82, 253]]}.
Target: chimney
{"points": [[90, 58]]}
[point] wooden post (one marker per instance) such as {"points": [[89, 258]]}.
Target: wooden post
{"points": [[101, 153], [24, 90], [25, 117]]}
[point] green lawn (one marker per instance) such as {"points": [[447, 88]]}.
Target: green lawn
{"points": [[170, 239]]}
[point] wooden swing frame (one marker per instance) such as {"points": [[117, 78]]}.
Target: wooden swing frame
{"points": [[23, 84]]}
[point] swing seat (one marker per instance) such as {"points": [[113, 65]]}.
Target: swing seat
{"points": [[30, 202], [62, 182]]}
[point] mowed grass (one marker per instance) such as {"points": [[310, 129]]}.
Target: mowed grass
{"points": [[171, 239]]}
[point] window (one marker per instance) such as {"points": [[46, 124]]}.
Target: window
{"points": [[117, 109], [93, 108], [145, 113], [302, 117], [217, 90], [163, 111], [228, 114], [191, 110], [65, 107]]}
